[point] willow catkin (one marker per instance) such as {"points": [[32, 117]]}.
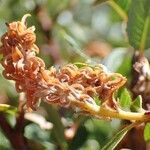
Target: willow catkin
{"points": [[54, 86]]}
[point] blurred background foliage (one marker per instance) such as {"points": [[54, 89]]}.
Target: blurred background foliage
{"points": [[99, 29]]}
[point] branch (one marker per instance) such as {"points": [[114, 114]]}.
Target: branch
{"points": [[106, 112], [15, 137], [68, 86]]}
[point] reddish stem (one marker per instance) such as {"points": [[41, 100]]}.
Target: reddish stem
{"points": [[15, 137]]}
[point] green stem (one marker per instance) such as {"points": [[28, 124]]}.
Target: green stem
{"points": [[106, 112], [123, 115]]}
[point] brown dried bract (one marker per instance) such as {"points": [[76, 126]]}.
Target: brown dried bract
{"points": [[62, 86]]}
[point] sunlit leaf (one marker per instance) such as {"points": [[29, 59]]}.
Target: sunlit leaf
{"points": [[1, 56], [136, 105], [125, 67], [125, 100], [97, 99], [138, 27], [124, 4], [121, 7], [8, 109], [116, 54], [117, 138], [147, 132], [78, 64]]}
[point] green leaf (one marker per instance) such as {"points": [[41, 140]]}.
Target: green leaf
{"points": [[125, 67], [8, 109], [117, 138], [97, 99], [147, 132], [4, 142], [138, 27], [77, 49], [124, 4], [136, 105], [101, 129], [73, 44], [121, 7], [58, 128], [117, 54], [77, 141], [97, 2], [125, 100], [80, 64], [1, 56]]}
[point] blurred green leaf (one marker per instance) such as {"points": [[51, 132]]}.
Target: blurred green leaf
{"points": [[38, 138], [121, 7], [55, 7], [97, 100], [125, 100], [33, 131], [58, 128], [147, 132], [83, 12], [138, 27], [4, 142], [7, 85], [8, 109], [136, 105], [79, 139], [77, 48], [99, 130], [99, 1], [124, 4], [116, 54], [125, 67], [80, 65], [117, 138], [1, 56], [74, 44]]}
